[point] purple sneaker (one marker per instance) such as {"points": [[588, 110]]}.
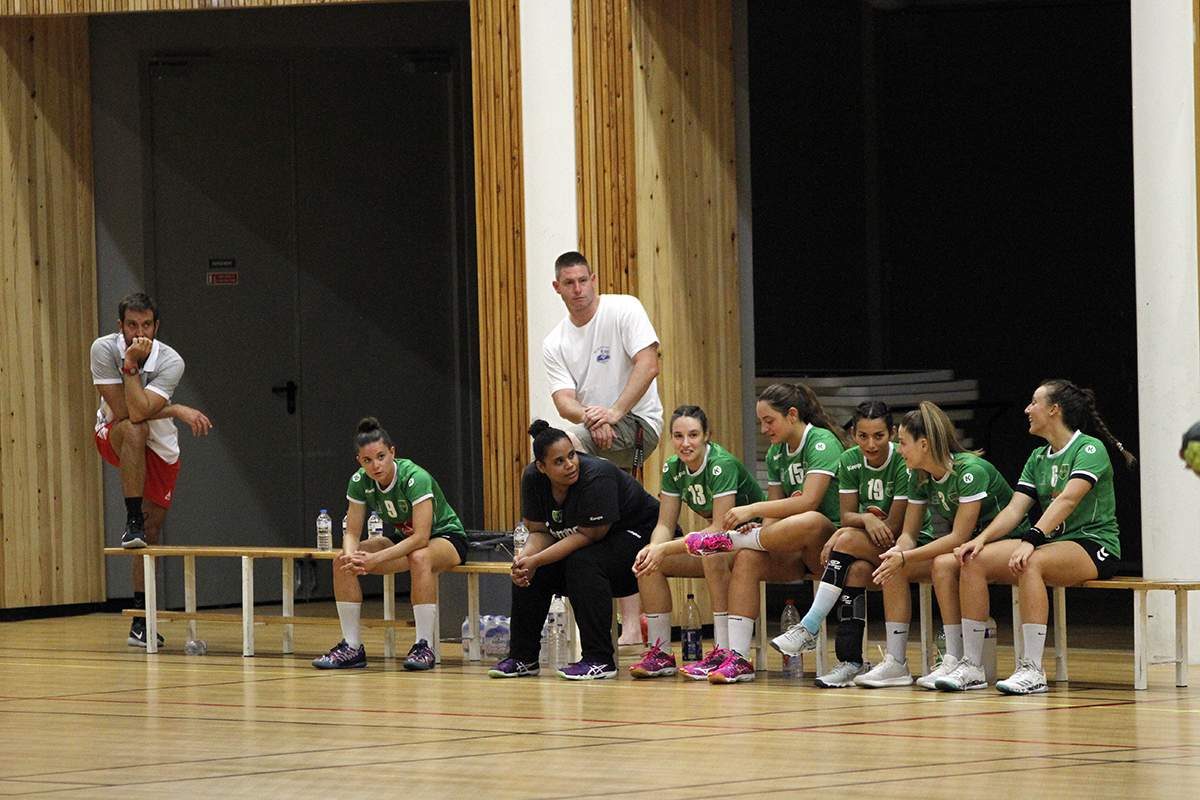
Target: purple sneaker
{"points": [[587, 671], [735, 670], [342, 656], [699, 670], [420, 656], [512, 668], [707, 543], [655, 663]]}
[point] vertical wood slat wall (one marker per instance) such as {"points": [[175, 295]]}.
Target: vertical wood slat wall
{"points": [[604, 149], [51, 505], [500, 243]]}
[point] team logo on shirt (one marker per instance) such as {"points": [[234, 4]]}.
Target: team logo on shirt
{"points": [[716, 470], [666, 468], [403, 506], [556, 515], [819, 446], [602, 354], [411, 481], [1090, 449], [968, 478], [357, 477]]}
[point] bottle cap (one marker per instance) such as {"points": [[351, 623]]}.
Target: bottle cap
{"points": [[790, 602], [691, 596], [324, 510]]}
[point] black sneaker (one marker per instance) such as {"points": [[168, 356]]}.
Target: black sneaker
{"points": [[135, 534], [137, 634]]}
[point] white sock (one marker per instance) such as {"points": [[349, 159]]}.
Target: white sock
{"points": [[741, 634], [897, 640], [721, 629], [348, 614], [827, 595], [658, 629], [742, 541], [1035, 642], [954, 640], [973, 632], [425, 615]]}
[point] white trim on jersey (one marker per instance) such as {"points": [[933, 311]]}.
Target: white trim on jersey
{"points": [[799, 447], [158, 391], [847, 491], [915, 502], [1051, 454], [725, 494], [820, 472], [395, 477], [1074, 472], [668, 494], [703, 464], [774, 483], [896, 497], [422, 499], [356, 502], [1026, 483], [886, 461], [107, 381], [972, 498]]}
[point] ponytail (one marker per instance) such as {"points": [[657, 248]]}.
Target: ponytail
{"points": [[1079, 411], [785, 396]]}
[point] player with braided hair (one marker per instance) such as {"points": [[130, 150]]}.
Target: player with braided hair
{"points": [[1076, 538]]}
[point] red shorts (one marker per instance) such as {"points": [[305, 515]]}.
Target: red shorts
{"points": [[160, 476]]}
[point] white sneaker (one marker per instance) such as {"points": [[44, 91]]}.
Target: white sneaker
{"points": [[842, 675], [948, 665], [966, 676], [889, 673], [796, 640], [1028, 679]]}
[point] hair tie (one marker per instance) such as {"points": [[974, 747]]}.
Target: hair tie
{"points": [[1120, 446]]}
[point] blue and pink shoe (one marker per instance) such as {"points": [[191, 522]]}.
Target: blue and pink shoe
{"points": [[700, 670], [513, 668], [707, 543], [735, 669], [655, 663], [587, 671]]}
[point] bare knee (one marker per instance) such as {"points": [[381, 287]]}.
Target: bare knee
{"points": [[752, 564], [134, 434], [859, 573], [945, 567], [420, 562]]}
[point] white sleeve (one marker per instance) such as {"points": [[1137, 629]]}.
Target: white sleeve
{"points": [[636, 331], [556, 370], [104, 368], [167, 377]]}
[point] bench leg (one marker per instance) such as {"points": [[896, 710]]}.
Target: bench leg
{"points": [[151, 587], [389, 613], [760, 648], [616, 606], [822, 636], [925, 603], [1060, 633], [1018, 639], [1181, 637], [1139, 640], [189, 593], [247, 606], [289, 604], [575, 648], [474, 627]]}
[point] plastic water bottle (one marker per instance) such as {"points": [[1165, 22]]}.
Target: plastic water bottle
{"points": [[692, 647], [324, 531], [345, 526], [195, 647], [793, 666], [558, 633], [374, 525], [520, 538]]}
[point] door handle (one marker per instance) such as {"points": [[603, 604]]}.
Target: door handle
{"points": [[290, 388]]}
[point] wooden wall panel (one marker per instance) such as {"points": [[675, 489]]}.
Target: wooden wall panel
{"points": [[44, 8], [500, 242], [51, 506], [604, 144]]}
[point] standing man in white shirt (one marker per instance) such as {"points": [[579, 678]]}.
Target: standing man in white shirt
{"points": [[136, 375], [602, 361]]}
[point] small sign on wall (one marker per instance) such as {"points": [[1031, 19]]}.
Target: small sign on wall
{"points": [[222, 272]]}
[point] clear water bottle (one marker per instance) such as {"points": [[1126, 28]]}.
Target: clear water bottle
{"points": [[693, 649], [793, 666], [558, 633], [374, 525], [324, 531], [520, 538], [195, 647]]}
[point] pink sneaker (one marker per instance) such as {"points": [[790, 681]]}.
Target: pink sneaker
{"points": [[699, 670], [707, 543], [735, 669], [655, 663]]}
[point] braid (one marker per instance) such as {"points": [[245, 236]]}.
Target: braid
{"points": [[1102, 429], [1079, 407]]}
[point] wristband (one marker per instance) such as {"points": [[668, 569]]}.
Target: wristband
{"points": [[1035, 537], [903, 560]]}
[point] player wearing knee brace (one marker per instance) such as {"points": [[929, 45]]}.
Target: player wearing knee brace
{"points": [[428, 539], [1076, 538]]}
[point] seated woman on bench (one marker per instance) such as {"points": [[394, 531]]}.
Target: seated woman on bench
{"points": [[429, 539], [710, 480], [801, 513], [1075, 539]]}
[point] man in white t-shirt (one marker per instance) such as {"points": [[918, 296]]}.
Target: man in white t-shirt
{"points": [[136, 375], [602, 361]]}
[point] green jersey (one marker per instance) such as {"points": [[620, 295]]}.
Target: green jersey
{"points": [[1046, 474], [971, 480], [817, 454], [721, 474], [876, 487], [410, 486]]}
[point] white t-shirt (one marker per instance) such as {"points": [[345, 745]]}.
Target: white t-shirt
{"points": [[160, 374], [596, 359]]}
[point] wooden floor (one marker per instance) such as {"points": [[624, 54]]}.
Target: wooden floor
{"points": [[88, 716]]}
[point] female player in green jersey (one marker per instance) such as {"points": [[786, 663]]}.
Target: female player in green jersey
{"points": [[966, 491], [873, 489], [800, 513], [1075, 539], [429, 539], [710, 480]]}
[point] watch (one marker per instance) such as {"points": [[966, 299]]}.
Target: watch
{"points": [[129, 370]]}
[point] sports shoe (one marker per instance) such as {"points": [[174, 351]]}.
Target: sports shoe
{"points": [[420, 656], [134, 535], [795, 640], [342, 656], [655, 663], [699, 670], [707, 543], [944, 668], [734, 669], [889, 672], [1028, 679], [512, 668], [842, 675], [587, 671], [137, 633], [966, 676]]}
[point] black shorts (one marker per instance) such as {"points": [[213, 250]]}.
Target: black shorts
{"points": [[1106, 562], [459, 542]]}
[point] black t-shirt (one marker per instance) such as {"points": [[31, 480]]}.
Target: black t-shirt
{"points": [[603, 494]]}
